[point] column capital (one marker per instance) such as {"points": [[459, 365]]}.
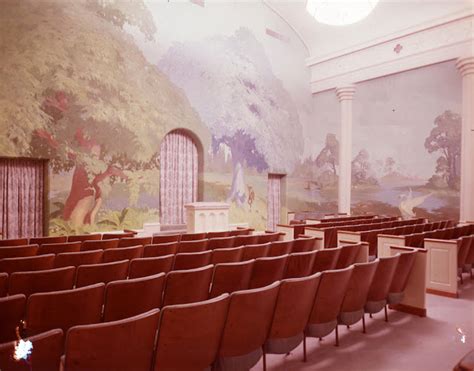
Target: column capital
{"points": [[465, 65], [345, 92]]}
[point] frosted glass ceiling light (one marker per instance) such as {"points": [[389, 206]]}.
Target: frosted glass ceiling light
{"points": [[340, 12]]}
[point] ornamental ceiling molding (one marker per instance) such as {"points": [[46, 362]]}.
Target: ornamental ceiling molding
{"points": [[434, 42]]}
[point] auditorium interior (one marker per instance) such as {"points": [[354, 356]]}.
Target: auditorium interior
{"points": [[234, 185]]}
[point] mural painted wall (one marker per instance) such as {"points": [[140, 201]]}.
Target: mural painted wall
{"points": [[407, 143], [95, 85]]}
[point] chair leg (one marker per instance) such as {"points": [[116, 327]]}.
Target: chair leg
{"points": [[386, 314], [264, 360], [363, 323], [304, 348], [337, 336]]}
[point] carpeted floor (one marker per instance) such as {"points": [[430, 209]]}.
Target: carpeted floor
{"points": [[406, 343]]}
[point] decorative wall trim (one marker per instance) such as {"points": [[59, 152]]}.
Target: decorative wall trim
{"points": [[434, 42]]}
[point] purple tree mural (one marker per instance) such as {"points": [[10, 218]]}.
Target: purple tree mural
{"points": [[244, 105]]}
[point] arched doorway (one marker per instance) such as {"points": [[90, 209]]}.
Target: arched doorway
{"points": [[179, 163]]}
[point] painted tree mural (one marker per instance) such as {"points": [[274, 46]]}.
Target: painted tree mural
{"points": [[361, 169], [244, 105], [445, 138], [87, 98]]}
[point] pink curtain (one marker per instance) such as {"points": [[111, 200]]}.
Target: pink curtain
{"points": [[273, 201], [178, 176], [21, 197]]}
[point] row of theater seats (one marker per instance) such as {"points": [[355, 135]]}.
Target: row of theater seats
{"points": [[159, 238], [265, 270], [371, 236], [229, 332], [331, 218], [138, 253], [331, 237]]}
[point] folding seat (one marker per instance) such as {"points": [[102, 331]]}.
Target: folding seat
{"points": [[399, 282], [417, 240], [267, 270], [42, 240], [119, 235], [28, 283], [143, 267], [161, 249], [240, 231], [76, 259], [300, 264], [352, 308], [165, 238], [33, 263], [46, 354], [304, 244], [193, 236], [122, 253], [217, 234], [3, 284], [230, 277], [418, 228], [246, 328], [84, 237], [64, 309], [125, 345], [246, 239], [134, 241], [221, 243], [327, 303], [100, 245], [448, 233], [58, 248], [280, 248], [268, 237], [255, 251], [230, 255], [189, 334], [14, 242], [128, 298], [18, 251], [326, 259], [192, 246], [292, 310], [187, 286], [192, 260], [378, 292], [372, 239], [12, 311], [348, 255], [94, 273]]}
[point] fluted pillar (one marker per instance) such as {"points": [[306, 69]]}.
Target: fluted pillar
{"points": [[345, 95], [466, 68]]}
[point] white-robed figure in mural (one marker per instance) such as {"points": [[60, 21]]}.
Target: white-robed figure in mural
{"points": [[408, 203]]}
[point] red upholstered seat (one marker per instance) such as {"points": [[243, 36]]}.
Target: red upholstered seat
{"points": [[300, 264], [220, 243], [255, 251], [268, 270], [193, 236], [348, 255], [12, 311], [76, 259], [134, 241], [18, 251], [166, 238], [231, 277], [84, 237], [187, 286], [122, 253], [191, 329], [119, 235], [143, 267], [57, 248], [161, 249], [125, 345], [100, 245], [14, 242], [43, 240], [33, 263], [227, 255], [192, 260], [192, 245], [326, 259], [127, 298], [280, 248], [94, 273], [46, 354], [28, 283], [64, 309]]}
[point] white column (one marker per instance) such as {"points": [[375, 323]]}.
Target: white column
{"points": [[466, 67], [345, 95]]}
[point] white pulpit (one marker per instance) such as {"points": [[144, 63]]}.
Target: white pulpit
{"points": [[207, 217]]}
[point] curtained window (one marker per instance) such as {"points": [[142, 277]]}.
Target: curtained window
{"points": [[178, 176], [273, 201], [22, 197]]}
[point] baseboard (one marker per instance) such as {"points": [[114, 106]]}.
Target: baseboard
{"points": [[409, 309], [443, 293]]}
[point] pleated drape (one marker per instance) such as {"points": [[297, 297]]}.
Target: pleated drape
{"points": [[178, 176], [21, 197]]}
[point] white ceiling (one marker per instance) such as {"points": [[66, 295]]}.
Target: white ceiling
{"points": [[389, 17]]}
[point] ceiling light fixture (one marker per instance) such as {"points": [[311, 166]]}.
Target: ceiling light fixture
{"points": [[340, 12]]}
